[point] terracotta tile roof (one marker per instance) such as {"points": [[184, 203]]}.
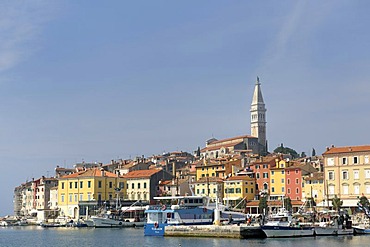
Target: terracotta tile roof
{"points": [[232, 138], [347, 149], [94, 172], [315, 176], [209, 180], [141, 173], [233, 178]]}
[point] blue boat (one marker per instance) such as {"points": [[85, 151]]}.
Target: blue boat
{"points": [[177, 210]]}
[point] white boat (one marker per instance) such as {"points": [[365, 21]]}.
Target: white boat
{"points": [[183, 210], [132, 216], [330, 223], [282, 225], [361, 229]]}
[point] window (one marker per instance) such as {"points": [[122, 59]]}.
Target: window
{"points": [[99, 184], [272, 173], [272, 189], [282, 189], [110, 196], [367, 187], [62, 197], [76, 197], [110, 185], [367, 173], [88, 184], [366, 159], [282, 180], [355, 160], [198, 191], [282, 172], [144, 185], [138, 185], [331, 189], [99, 196], [357, 189], [76, 185], [356, 174], [62, 185], [288, 181], [132, 186], [288, 191], [81, 184], [345, 189], [238, 190], [70, 197], [330, 161], [257, 175], [331, 175], [246, 190], [121, 185], [265, 175], [296, 181], [296, 171], [81, 197], [89, 196], [252, 190], [288, 172], [272, 181], [70, 185], [297, 190], [344, 174], [344, 161]]}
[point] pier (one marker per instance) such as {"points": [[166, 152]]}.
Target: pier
{"points": [[223, 231]]}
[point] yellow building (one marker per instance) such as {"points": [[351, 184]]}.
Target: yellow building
{"points": [[239, 188], [209, 186], [277, 180], [347, 173], [313, 187], [88, 190]]}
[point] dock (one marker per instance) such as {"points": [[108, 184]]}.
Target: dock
{"points": [[223, 231]]}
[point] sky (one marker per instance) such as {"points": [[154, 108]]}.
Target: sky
{"points": [[102, 80]]}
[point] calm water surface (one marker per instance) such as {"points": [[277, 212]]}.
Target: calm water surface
{"points": [[63, 237]]}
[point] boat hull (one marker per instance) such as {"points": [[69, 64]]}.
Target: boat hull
{"points": [[330, 231], [361, 230], [111, 223], [287, 231]]}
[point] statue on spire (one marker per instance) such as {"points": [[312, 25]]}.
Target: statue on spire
{"points": [[258, 80]]}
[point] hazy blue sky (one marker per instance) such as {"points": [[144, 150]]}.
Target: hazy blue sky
{"points": [[101, 80]]}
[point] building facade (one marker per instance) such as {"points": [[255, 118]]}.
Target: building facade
{"points": [[347, 173]]}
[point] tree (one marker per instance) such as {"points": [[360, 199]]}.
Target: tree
{"points": [[313, 152], [303, 154], [198, 152], [286, 150], [311, 202], [337, 203], [288, 203], [364, 201], [263, 204]]}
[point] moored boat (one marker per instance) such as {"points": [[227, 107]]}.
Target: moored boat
{"points": [[283, 225], [185, 210]]}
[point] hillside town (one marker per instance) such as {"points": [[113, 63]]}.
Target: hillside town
{"points": [[240, 171]]}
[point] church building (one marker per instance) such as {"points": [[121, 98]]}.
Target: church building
{"points": [[256, 143]]}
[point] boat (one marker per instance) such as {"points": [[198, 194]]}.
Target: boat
{"points": [[283, 225], [330, 223], [361, 229], [183, 210], [132, 216]]}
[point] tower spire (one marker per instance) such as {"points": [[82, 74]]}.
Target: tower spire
{"points": [[258, 117]]}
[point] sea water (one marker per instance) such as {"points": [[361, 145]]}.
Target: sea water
{"points": [[69, 237]]}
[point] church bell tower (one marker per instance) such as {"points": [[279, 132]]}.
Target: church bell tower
{"points": [[258, 118]]}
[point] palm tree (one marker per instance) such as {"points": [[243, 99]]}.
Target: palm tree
{"points": [[337, 203]]}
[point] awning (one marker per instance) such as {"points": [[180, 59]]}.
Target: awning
{"points": [[232, 198]]}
